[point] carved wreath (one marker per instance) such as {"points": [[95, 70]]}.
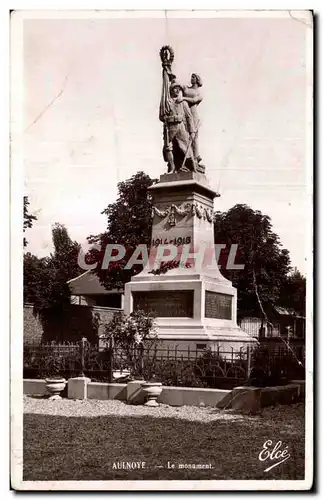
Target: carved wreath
{"points": [[181, 211], [188, 209], [196, 210], [166, 55], [208, 215], [160, 213]]}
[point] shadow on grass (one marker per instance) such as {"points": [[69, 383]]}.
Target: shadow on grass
{"points": [[78, 448], [38, 396]]}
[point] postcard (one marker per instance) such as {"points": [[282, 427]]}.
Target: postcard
{"points": [[161, 298]]}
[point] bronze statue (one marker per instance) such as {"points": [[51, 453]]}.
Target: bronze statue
{"points": [[178, 113]]}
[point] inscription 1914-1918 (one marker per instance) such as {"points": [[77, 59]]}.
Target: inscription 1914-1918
{"points": [[218, 305], [165, 304], [186, 240]]}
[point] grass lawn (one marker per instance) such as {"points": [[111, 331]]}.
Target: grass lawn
{"points": [[77, 448]]}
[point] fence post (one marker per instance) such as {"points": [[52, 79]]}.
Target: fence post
{"points": [[110, 351], [141, 354], [248, 361], [82, 346]]}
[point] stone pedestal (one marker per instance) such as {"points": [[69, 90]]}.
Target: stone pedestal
{"points": [[195, 305]]}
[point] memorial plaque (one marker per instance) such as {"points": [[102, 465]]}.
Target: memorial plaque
{"points": [[218, 305], [165, 304]]}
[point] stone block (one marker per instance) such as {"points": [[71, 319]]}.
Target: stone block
{"points": [[283, 395], [34, 387], [77, 387], [191, 396], [242, 398], [135, 394], [102, 391], [252, 399]]}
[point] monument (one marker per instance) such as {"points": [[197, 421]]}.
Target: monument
{"points": [[195, 306]]}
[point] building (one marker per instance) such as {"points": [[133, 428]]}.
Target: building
{"points": [[282, 323], [87, 290]]}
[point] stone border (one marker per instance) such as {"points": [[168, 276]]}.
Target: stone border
{"points": [[34, 387], [82, 388], [252, 399], [239, 398]]}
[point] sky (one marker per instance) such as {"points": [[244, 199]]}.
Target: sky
{"points": [[90, 112]]}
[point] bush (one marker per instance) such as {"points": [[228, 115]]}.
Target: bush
{"points": [[217, 371], [129, 336], [273, 368], [172, 373], [50, 361], [207, 370], [55, 360]]}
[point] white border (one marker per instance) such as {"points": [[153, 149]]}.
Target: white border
{"points": [[5, 251], [16, 238], [16, 264], [309, 343], [157, 13]]}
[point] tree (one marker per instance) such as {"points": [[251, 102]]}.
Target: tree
{"points": [[129, 224], [33, 277], [45, 280], [293, 292], [266, 263], [65, 256], [28, 218]]}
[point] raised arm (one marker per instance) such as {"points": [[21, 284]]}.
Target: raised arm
{"points": [[194, 100]]}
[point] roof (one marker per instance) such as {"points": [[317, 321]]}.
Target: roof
{"points": [[88, 283], [283, 311]]}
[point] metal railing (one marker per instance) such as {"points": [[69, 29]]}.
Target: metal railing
{"points": [[178, 367]]}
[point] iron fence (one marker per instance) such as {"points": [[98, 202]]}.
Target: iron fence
{"points": [[68, 360], [217, 368]]}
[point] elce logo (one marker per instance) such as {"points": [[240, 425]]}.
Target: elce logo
{"points": [[273, 455]]}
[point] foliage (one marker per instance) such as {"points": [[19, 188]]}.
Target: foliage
{"points": [[45, 362], [28, 218], [293, 293], [45, 279], [266, 263], [33, 276], [270, 368], [131, 334], [171, 372], [129, 224], [219, 372], [130, 331], [207, 369]]}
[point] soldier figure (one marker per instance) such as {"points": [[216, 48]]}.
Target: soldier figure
{"points": [[178, 113], [178, 133]]}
